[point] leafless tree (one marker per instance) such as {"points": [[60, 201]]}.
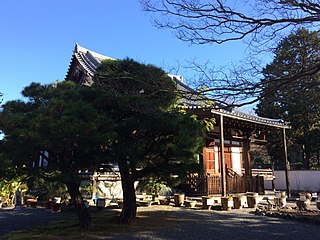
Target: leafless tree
{"points": [[259, 23]]}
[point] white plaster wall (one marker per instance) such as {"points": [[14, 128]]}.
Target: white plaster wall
{"points": [[236, 159], [110, 189], [268, 185], [301, 180]]}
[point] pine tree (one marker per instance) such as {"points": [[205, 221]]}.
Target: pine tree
{"points": [[297, 103]]}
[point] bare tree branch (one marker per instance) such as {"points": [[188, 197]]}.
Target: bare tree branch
{"points": [[219, 21], [261, 23]]}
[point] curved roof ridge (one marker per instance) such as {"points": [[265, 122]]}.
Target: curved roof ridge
{"points": [[98, 56]]}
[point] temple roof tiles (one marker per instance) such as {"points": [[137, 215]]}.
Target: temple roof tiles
{"points": [[90, 60]]}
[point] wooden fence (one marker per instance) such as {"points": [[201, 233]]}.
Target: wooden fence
{"points": [[198, 184]]}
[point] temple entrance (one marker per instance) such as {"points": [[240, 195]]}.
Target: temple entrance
{"points": [[211, 159]]}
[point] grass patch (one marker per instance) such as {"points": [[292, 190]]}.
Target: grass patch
{"points": [[104, 225], [53, 230]]}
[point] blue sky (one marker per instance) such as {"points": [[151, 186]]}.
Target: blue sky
{"points": [[37, 38]]}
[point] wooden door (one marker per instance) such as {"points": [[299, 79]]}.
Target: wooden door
{"points": [[209, 160]]}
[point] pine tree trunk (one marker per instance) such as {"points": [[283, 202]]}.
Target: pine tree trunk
{"points": [[82, 211], [306, 159], [129, 210]]}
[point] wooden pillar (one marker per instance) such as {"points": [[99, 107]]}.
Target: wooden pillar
{"points": [[94, 185], [273, 177], [222, 162], [246, 155], [286, 164]]}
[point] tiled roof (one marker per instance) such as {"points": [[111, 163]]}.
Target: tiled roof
{"points": [[235, 114], [90, 60]]}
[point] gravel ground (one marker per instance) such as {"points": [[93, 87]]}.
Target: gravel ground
{"points": [[180, 223], [236, 224]]}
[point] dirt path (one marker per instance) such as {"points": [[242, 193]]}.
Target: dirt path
{"points": [[28, 218], [174, 223], [181, 223]]}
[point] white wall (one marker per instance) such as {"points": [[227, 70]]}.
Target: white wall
{"points": [[301, 180], [110, 189], [236, 159]]}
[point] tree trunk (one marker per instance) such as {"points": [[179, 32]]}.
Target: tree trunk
{"points": [[82, 211], [306, 157], [129, 210]]}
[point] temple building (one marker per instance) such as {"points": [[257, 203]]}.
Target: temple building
{"points": [[227, 149]]}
